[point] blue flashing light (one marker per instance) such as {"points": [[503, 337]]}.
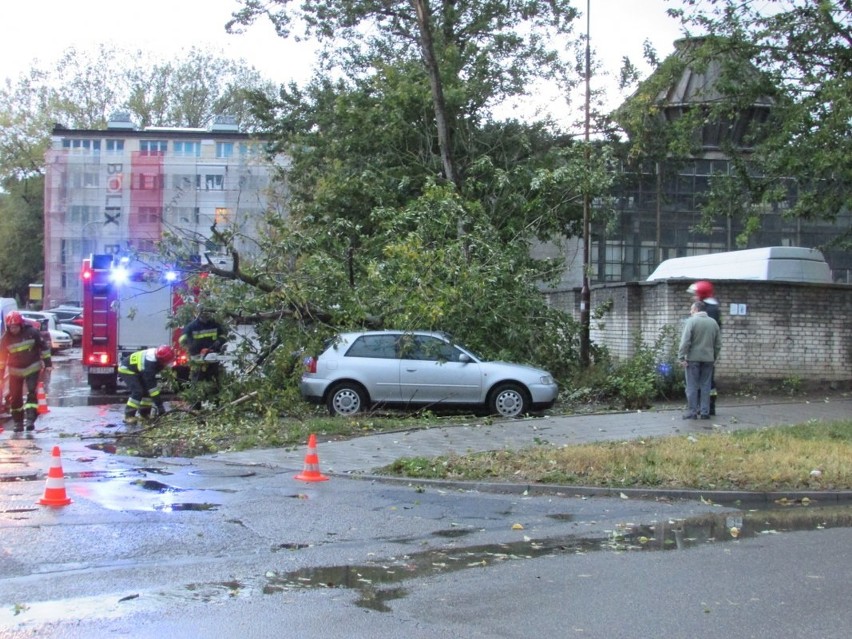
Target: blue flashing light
{"points": [[664, 369], [170, 276], [120, 275]]}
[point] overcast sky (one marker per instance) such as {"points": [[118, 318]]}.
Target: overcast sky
{"points": [[43, 29]]}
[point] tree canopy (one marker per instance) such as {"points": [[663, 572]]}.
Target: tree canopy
{"points": [[797, 56]]}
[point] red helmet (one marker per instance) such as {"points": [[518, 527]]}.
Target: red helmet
{"points": [[14, 318], [702, 290], [165, 354]]}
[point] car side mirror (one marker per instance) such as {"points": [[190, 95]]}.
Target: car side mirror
{"points": [[464, 358]]}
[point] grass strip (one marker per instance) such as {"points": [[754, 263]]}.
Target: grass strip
{"points": [[811, 456]]}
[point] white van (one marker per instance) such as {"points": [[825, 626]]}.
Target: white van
{"points": [[774, 263]]}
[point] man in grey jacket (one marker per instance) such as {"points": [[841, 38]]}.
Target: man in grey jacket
{"points": [[700, 345]]}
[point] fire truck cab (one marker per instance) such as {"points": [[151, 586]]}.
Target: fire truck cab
{"points": [[127, 306]]}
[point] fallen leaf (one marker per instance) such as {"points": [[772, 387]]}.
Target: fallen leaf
{"points": [[517, 527]]}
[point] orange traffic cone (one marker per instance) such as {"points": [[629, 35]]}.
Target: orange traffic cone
{"points": [[42, 399], [311, 471], [54, 489]]}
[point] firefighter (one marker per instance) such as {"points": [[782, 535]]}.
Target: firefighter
{"points": [[139, 371], [24, 352], [702, 291], [203, 335]]}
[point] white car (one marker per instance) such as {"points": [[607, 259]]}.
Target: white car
{"points": [[59, 340], [70, 320], [419, 368]]}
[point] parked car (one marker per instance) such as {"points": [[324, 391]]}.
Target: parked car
{"points": [[356, 371], [70, 320], [59, 340]]}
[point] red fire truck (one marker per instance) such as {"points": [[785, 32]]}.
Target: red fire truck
{"points": [[127, 306]]}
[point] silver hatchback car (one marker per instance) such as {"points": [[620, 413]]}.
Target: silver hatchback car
{"points": [[419, 368]]}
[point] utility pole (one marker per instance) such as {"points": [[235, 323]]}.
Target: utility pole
{"points": [[585, 294]]}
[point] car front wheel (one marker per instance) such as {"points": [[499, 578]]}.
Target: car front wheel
{"points": [[346, 399], [508, 400]]}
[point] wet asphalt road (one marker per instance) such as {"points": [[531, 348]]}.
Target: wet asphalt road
{"points": [[238, 547]]}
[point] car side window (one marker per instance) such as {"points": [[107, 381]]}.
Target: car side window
{"points": [[432, 349], [375, 346]]}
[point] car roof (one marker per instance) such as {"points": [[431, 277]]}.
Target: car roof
{"points": [[355, 334]]}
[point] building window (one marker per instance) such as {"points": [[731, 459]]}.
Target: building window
{"points": [[148, 181], [82, 146], [251, 149], [153, 147], [149, 214], [79, 214], [224, 149], [188, 149], [78, 179], [613, 258], [214, 182], [115, 147], [222, 215]]}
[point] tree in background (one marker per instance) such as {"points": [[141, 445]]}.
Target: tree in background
{"points": [[798, 55], [413, 205], [21, 233], [82, 90]]}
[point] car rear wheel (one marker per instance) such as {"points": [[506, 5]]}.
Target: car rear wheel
{"points": [[346, 398], [508, 400]]}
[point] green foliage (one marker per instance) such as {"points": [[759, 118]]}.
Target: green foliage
{"points": [[21, 233], [652, 372], [379, 233], [792, 385], [791, 56]]}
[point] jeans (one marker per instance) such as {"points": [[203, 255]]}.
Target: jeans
{"points": [[698, 379]]}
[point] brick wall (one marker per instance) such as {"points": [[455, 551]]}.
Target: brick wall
{"points": [[777, 331]]}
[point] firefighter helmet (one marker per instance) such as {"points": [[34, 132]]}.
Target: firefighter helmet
{"points": [[14, 318], [702, 290], [165, 354]]}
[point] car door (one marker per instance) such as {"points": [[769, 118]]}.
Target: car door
{"points": [[372, 360], [430, 371]]}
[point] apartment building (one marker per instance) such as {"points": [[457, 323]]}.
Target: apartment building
{"points": [[120, 189]]}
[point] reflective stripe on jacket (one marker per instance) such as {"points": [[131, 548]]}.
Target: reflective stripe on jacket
{"points": [[22, 354], [143, 363]]}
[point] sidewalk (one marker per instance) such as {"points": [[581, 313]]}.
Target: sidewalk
{"points": [[361, 455], [76, 431]]}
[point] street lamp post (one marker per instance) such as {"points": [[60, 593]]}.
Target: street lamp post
{"points": [[585, 295]]}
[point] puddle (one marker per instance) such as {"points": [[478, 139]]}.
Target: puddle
{"points": [[14, 478], [289, 546], [155, 471], [222, 472], [561, 517], [150, 484], [102, 474], [378, 582], [453, 532], [168, 508]]}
